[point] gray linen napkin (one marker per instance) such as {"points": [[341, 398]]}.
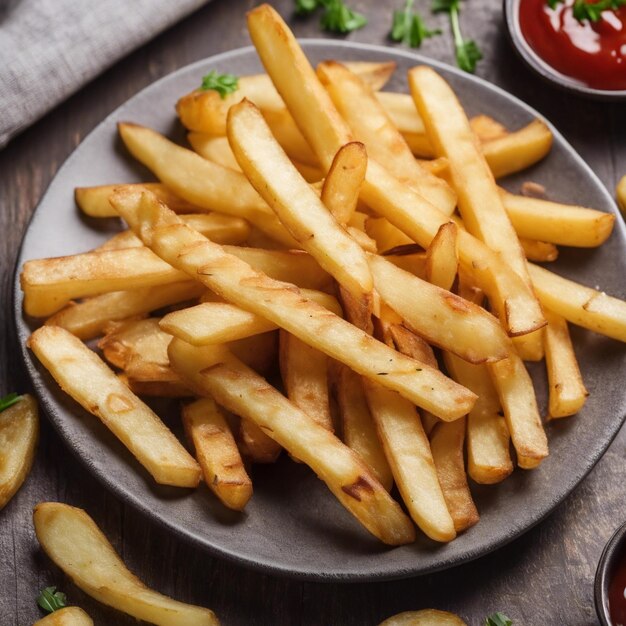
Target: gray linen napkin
{"points": [[50, 48]]}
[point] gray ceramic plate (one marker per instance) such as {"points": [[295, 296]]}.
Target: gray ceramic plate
{"points": [[293, 526]]}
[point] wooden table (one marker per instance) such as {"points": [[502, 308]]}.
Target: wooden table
{"points": [[543, 578]]}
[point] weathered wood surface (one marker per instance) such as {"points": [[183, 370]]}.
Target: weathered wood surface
{"points": [[545, 577]]}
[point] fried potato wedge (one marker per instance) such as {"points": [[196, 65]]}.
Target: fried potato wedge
{"points": [[442, 259], [86, 378], [539, 251], [426, 617], [69, 616], [79, 548], [284, 304], [214, 370], [217, 453], [19, 431]]}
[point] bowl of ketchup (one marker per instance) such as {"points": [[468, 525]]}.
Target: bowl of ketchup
{"points": [[610, 583], [579, 45]]}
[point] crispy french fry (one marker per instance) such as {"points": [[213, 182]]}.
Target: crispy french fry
{"points": [[439, 316], [580, 305], [219, 322], [157, 389], [486, 128], [561, 224], [370, 124], [217, 453], [283, 304], [539, 251], [294, 202], [85, 377], [19, 431], [258, 352], [446, 443], [340, 193], [386, 235], [567, 393], [233, 385], [304, 371], [290, 138], [358, 428], [206, 185], [257, 445], [427, 617], [409, 456], [79, 548], [69, 616], [442, 261], [87, 319]]}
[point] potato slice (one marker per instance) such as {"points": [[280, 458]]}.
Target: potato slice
{"points": [[77, 546], [69, 616], [86, 378], [426, 617], [19, 431]]}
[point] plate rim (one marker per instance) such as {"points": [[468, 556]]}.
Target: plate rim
{"points": [[265, 565]]}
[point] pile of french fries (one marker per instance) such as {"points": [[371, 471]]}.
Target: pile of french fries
{"points": [[311, 237]]}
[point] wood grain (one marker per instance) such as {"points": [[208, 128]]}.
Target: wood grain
{"points": [[545, 577]]}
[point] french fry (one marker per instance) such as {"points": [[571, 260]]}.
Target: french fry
{"points": [[87, 319], [79, 548], [69, 616], [446, 443], [358, 428], [257, 445], [19, 431], [486, 128], [561, 224], [386, 235], [427, 617], [283, 304], [220, 322], [297, 206], [539, 251], [442, 261], [217, 453], [290, 138], [204, 184], [580, 305], [157, 389], [370, 124], [304, 371], [567, 393], [340, 193], [85, 377], [439, 316], [237, 388], [478, 198], [258, 352]]}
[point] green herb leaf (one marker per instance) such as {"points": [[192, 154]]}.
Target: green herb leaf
{"points": [[592, 11], [409, 27], [553, 3], [498, 619], [467, 55], [222, 83], [304, 7], [51, 600], [339, 18], [466, 51], [9, 400], [444, 6]]}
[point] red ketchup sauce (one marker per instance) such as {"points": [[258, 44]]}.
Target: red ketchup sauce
{"points": [[617, 591], [592, 52]]}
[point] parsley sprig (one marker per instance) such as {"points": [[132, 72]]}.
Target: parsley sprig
{"points": [[467, 51], [51, 600], [409, 27], [591, 11], [222, 83], [498, 619], [337, 17], [9, 400]]}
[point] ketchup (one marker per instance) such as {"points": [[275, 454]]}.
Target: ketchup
{"points": [[592, 52], [617, 594]]}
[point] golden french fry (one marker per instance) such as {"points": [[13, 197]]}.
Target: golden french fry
{"points": [[258, 352], [370, 123], [440, 316], [620, 192], [85, 377], [386, 235], [157, 389], [94, 201], [297, 206], [204, 184], [79, 548], [539, 251], [217, 453], [580, 305], [283, 304], [69, 616], [256, 444], [567, 393], [304, 371], [19, 431], [427, 617], [290, 138], [340, 193], [446, 444], [87, 319], [409, 456], [243, 392], [442, 261], [562, 224], [486, 128], [357, 427]]}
